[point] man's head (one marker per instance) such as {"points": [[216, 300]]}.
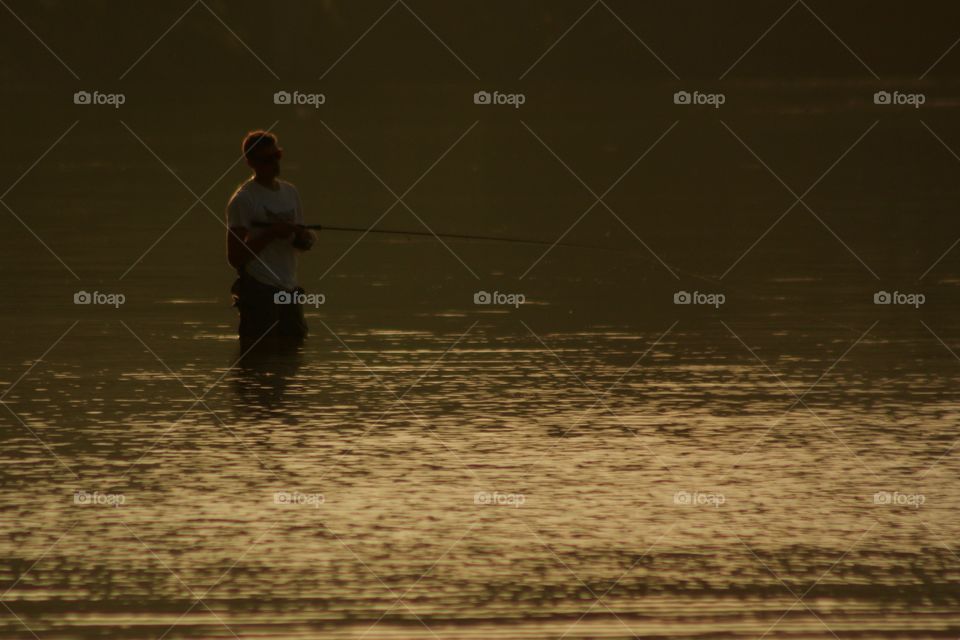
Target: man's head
{"points": [[262, 153]]}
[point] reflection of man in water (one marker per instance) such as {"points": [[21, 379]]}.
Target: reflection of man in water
{"points": [[260, 380], [265, 220]]}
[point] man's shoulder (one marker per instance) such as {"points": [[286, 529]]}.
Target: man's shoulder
{"points": [[240, 206], [289, 186], [242, 190]]}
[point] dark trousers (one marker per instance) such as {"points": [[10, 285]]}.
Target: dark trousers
{"points": [[261, 314]]}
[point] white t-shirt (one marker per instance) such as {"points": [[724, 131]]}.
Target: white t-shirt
{"points": [[252, 202]]}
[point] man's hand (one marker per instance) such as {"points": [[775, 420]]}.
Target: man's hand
{"points": [[282, 230], [304, 239]]}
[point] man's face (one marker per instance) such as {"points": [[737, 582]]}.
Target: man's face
{"points": [[265, 159]]}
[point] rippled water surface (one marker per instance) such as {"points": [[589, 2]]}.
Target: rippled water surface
{"points": [[645, 481]]}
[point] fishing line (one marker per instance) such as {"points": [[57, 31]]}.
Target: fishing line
{"points": [[714, 282], [515, 240]]}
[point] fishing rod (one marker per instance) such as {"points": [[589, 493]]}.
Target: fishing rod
{"points": [[452, 236], [516, 240], [715, 282]]}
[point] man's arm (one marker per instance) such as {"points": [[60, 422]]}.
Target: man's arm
{"points": [[242, 246]]}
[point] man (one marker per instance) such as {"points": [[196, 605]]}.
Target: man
{"points": [[265, 221]]}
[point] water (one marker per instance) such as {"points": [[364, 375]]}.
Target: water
{"points": [[400, 429], [408, 401], [597, 463]]}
